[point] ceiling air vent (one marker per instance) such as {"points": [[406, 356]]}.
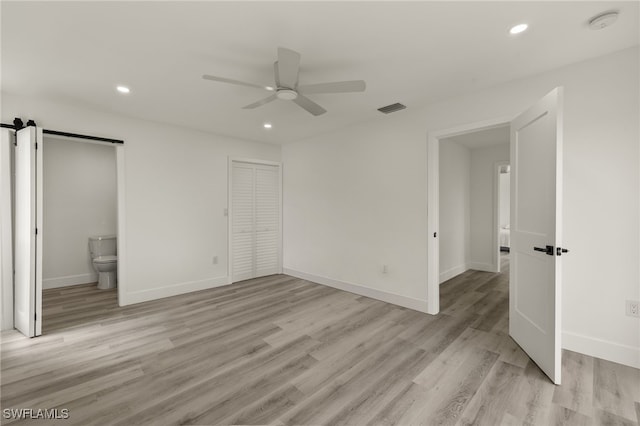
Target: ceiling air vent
{"points": [[391, 108]]}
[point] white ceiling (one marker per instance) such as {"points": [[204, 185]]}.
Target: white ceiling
{"points": [[482, 138], [409, 52]]}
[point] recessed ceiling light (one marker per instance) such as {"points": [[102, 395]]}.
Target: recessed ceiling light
{"points": [[267, 125], [270, 88], [517, 29], [123, 89]]}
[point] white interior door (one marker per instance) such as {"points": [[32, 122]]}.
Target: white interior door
{"points": [[28, 232], [255, 220], [6, 227], [536, 195]]}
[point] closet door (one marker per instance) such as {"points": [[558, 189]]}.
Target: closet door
{"points": [[255, 220], [242, 222], [267, 220]]}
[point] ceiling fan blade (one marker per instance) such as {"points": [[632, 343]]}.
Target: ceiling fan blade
{"points": [[335, 87], [309, 105], [231, 81], [261, 102], [287, 68], [276, 75]]}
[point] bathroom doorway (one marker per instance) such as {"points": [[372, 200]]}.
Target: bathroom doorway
{"points": [[80, 194]]}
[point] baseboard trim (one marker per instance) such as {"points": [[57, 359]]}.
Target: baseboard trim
{"points": [[481, 266], [395, 299], [172, 290], [69, 280], [600, 348], [452, 272]]}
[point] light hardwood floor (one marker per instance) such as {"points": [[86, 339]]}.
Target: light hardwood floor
{"points": [[280, 350]]}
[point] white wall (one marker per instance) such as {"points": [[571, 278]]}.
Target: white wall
{"points": [[483, 251], [357, 197], [175, 194], [505, 197], [455, 208], [353, 202], [79, 201]]}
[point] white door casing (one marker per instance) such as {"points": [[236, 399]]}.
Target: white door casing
{"points": [[28, 232], [536, 218]]}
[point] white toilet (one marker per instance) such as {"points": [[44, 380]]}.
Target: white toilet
{"points": [[103, 254]]}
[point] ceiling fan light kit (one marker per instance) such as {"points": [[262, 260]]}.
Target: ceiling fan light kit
{"points": [[286, 70]]}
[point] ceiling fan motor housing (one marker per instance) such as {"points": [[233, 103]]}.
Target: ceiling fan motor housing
{"points": [[286, 94]]}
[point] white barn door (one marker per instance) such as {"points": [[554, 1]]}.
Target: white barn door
{"points": [[28, 232], [255, 222], [536, 237]]}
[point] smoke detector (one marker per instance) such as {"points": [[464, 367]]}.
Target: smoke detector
{"points": [[603, 20]]}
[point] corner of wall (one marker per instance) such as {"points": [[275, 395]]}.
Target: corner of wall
{"points": [[453, 272]]}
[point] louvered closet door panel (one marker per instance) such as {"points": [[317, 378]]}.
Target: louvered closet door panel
{"points": [[267, 202], [243, 235]]}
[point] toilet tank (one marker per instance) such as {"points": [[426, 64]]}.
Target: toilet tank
{"points": [[102, 245]]}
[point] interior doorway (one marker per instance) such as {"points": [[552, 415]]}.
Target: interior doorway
{"points": [[469, 201], [535, 279], [79, 245], [29, 233], [503, 207]]}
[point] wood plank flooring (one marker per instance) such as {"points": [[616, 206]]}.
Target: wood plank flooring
{"points": [[280, 350]]}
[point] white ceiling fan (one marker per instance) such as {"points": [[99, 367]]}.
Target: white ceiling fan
{"points": [[286, 78]]}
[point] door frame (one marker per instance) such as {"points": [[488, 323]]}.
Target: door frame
{"points": [[433, 201], [229, 209]]}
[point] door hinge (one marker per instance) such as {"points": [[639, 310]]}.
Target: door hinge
{"points": [[36, 231], [35, 317], [435, 234], [36, 145]]}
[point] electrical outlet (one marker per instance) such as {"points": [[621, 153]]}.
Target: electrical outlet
{"points": [[215, 260], [632, 308]]}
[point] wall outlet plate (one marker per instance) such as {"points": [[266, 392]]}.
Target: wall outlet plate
{"points": [[633, 307]]}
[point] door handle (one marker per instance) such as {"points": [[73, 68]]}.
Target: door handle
{"points": [[548, 250]]}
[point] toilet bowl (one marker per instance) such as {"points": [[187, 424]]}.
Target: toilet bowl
{"points": [[106, 267], [104, 259]]}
